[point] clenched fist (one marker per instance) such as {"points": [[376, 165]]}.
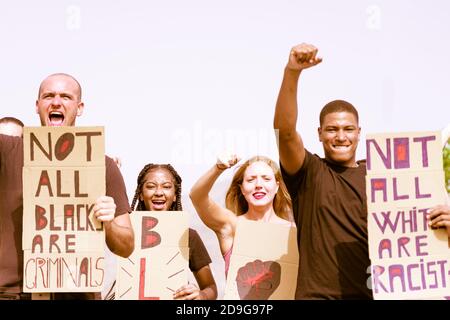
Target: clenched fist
{"points": [[105, 209], [257, 280], [302, 57], [227, 160]]}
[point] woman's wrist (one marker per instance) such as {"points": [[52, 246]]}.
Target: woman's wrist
{"points": [[221, 167]]}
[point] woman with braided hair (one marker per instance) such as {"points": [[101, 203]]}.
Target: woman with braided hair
{"points": [[159, 189]]}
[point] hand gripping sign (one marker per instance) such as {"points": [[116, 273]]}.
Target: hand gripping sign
{"points": [[404, 180], [63, 175]]}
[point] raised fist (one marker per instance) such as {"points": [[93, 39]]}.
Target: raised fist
{"points": [[227, 160], [302, 57], [257, 280]]}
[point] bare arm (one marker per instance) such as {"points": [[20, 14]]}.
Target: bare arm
{"points": [[212, 214], [118, 230], [120, 236], [205, 279], [219, 219], [290, 144]]}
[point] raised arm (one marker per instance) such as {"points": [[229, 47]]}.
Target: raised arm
{"points": [[219, 219], [290, 144]]}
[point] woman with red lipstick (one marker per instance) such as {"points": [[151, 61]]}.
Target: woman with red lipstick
{"points": [[257, 192], [159, 189]]}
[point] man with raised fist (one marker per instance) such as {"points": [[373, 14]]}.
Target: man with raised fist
{"points": [[328, 194]]}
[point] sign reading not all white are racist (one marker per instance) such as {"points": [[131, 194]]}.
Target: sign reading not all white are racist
{"points": [[404, 180]]}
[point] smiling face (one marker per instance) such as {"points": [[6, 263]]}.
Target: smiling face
{"points": [[339, 134], [59, 103], [158, 190], [259, 185]]}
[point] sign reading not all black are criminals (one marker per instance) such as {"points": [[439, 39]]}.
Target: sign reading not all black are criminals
{"points": [[63, 175]]}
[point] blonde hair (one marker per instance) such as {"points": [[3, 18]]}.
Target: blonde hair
{"points": [[236, 202]]}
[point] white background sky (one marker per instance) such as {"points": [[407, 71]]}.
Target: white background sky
{"points": [[179, 81]]}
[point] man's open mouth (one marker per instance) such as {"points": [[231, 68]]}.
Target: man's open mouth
{"points": [[56, 118]]}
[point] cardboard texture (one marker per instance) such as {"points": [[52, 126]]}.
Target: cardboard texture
{"points": [[64, 146], [398, 232], [404, 174], [65, 272], [63, 243], [264, 262], [403, 151], [419, 277], [405, 188], [159, 264]]}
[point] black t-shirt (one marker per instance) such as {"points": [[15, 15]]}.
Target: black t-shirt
{"points": [[330, 210], [198, 255]]}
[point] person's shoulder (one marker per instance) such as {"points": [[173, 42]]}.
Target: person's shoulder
{"points": [[315, 159], [9, 137], [193, 234], [362, 164], [309, 156], [110, 163], [108, 159], [10, 142], [194, 239]]}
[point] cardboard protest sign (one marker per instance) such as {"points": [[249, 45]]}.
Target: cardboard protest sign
{"points": [[63, 175], [160, 261], [404, 174], [405, 188], [403, 151], [418, 277], [264, 262]]}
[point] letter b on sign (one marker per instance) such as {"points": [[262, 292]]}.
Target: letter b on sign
{"points": [[149, 239]]}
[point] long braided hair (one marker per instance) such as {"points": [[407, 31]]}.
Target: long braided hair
{"points": [[176, 205]]}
